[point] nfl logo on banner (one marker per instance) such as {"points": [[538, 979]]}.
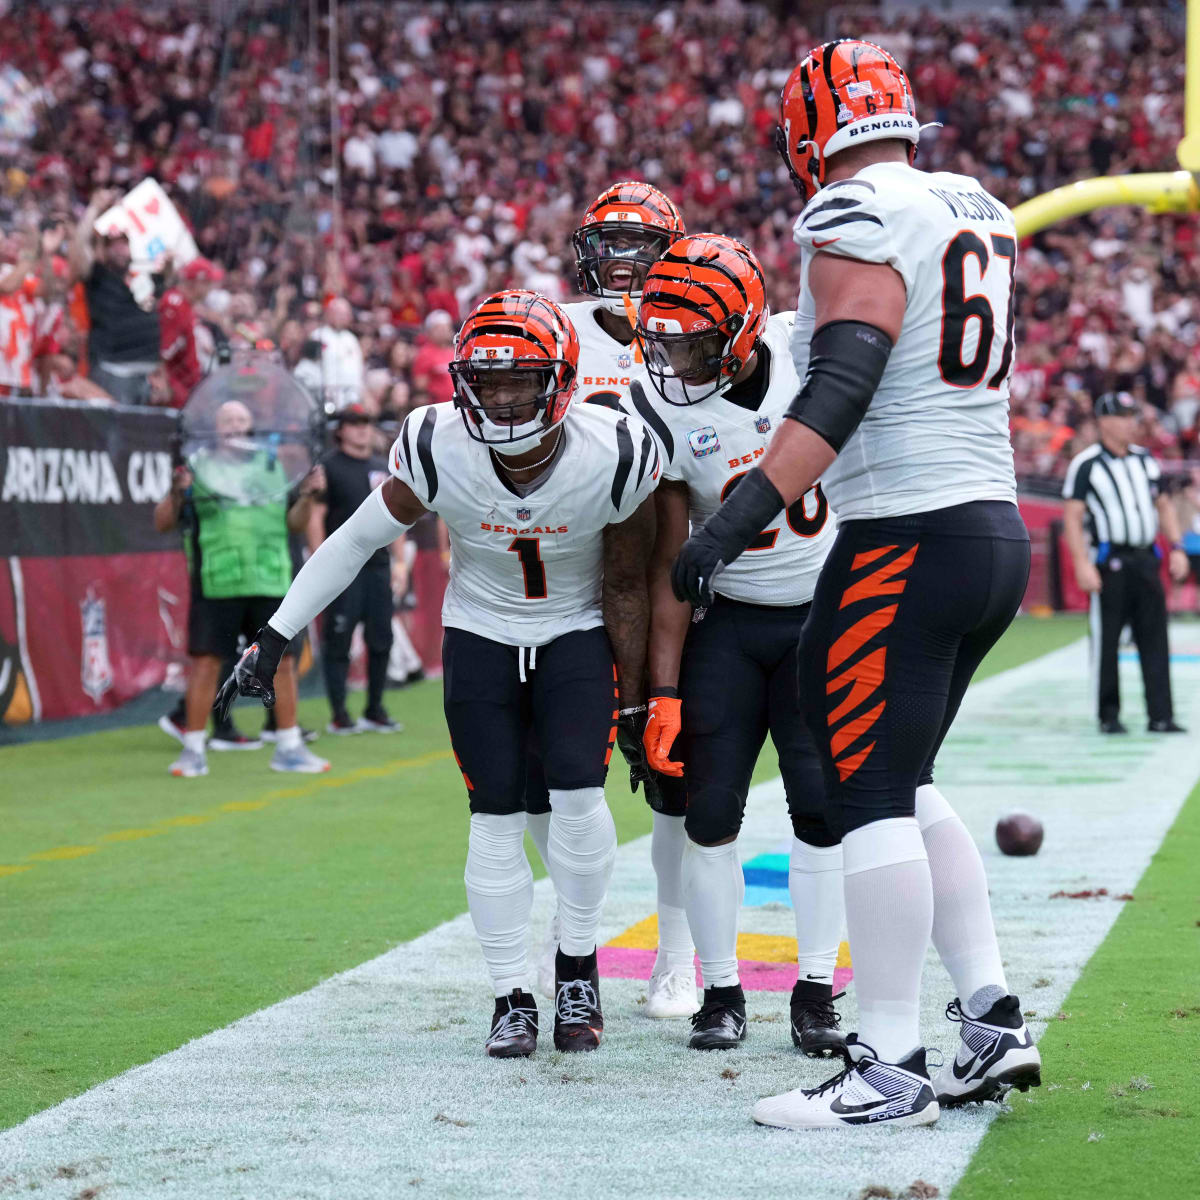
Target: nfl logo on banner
{"points": [[704, 442], [523, 514], [762, 424], [624, 362], [95, 669]]}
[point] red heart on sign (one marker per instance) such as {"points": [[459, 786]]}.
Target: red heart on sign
{"points": [[152, 206]]}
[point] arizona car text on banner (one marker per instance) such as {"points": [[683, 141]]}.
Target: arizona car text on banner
{"points": [[93, 602]]}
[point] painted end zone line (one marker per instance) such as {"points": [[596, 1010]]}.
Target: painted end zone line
{"points": [[374, 1083]]}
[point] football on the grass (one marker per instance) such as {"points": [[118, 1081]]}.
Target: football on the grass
{"points": [[1019, 833]]}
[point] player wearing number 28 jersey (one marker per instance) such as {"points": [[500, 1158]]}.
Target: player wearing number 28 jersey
{"points": [[724, 676], [903, 338]]}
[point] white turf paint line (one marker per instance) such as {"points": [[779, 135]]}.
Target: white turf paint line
{"points": [[374, 1083]]}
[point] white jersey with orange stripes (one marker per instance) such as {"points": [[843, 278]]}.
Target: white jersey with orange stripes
{"points": [[936, 431], [606, 366], [526, 569]]}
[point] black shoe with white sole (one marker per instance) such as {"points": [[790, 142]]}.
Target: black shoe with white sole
{"points": [[815, 1021], [721, 1022], [867, 1092], [514, 1026], [996, 1053]]}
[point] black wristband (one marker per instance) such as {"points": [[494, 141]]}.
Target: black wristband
{"points": [[845, 364], [666, 692], [271, 644]]}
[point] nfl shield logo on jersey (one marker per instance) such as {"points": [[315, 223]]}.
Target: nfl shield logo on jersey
{"points": [[523, 514], [95, 669], [624, 362], [762, 424], [704, 442]]}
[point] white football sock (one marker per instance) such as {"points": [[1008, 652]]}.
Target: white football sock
{"points": [[193, 739], [500, 896], [889, 912], [713, 890], [963, 930], [538, 826], [288, 739], [675, 950], [819, 904], [582, 846]]}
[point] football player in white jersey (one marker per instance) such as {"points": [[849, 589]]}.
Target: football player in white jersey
{"points": [[622, 233], [550, 518], [724, 676], [904, 339]]}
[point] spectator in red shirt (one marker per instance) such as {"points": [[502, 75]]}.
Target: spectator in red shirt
{"points": [[430, 372], [178, 326]]}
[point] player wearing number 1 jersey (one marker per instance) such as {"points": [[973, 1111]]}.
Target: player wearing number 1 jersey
{"points": [[550, 518], [724, 676], [903, 338]]}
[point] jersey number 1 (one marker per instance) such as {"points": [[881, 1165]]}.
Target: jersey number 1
{"points": [[529, 551], [958, 309]]}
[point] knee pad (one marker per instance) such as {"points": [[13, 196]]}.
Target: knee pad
{"points": [[813, 830]]}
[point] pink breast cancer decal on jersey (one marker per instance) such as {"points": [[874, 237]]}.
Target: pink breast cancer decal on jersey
{"points": [[704, 441]]}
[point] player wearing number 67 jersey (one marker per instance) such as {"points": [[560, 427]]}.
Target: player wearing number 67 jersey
{"points": [[724, 676], [550, 518], [904, 339]]}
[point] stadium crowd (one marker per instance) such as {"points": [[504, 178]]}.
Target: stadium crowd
{"points": [[473, 136]]}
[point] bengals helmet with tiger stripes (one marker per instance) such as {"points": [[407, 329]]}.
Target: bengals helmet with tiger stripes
{"points": [[703, 309], [623, 233], [842, 94], [521, 352]]}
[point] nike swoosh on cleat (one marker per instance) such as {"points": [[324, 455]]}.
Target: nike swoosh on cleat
{"points": [[967, 1068], [849, 1110]]}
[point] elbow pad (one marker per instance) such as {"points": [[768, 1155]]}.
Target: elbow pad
{"points": [[338, 559], [845, 365]]}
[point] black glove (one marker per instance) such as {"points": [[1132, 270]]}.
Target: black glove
{"points": [[751, 507], [254, 674], [631, 724]]}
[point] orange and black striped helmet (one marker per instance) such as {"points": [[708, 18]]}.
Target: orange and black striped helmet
{"points": [[515, 362], [703, 309], [623, 233], [842, 94]]}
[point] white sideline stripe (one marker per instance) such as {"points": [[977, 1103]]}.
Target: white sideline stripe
{"points": [[353, 1088]]}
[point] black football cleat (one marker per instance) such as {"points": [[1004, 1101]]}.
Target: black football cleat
{"points": [[721, 1022], [815, 1021], [514, 1026], [1112, 725], [1167, 726], [578, 1020], [996, 1053]]}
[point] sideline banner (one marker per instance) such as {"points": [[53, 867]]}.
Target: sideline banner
{"points": [[93, 602]]}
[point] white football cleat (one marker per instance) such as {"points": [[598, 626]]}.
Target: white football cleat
{"points": [[189, 764], [996, 1053], [299, 759], [545, 967], [867, 1092], [672, 994]]}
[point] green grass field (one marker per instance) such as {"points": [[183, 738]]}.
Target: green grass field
{"points": [[140, 911]]}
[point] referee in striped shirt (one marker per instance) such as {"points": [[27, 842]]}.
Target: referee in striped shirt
{"points": [[1114, 486]]}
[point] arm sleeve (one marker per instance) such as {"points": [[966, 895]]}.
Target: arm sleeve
{"points": [[336, 562]]}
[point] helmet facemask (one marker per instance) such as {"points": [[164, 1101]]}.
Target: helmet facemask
{"points": [[507, 403], [689, 367], [624, 249]]}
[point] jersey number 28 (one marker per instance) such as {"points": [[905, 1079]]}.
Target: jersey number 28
{"points": [[959, 309]]}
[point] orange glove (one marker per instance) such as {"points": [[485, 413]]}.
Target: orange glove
{"points": [[662, 728]]}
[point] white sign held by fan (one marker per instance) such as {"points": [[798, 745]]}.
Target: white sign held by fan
{"points": [[154, 228]]}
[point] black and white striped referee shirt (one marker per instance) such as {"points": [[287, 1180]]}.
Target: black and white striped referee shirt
{"points": [[1119, 493]]}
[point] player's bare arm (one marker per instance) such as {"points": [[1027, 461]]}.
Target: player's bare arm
{"points": [[1168, 520], [859, 311], [669, 620], [383, 516], [625, 602]]}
